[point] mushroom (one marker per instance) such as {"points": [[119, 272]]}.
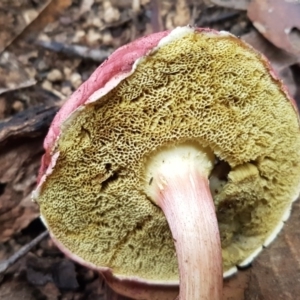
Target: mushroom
{"points": [[182, 144]]}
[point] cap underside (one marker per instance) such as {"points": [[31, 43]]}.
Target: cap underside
{"points": [[207, 88]]}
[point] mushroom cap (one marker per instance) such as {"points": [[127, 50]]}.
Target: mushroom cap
{"points": [[188, 85]]}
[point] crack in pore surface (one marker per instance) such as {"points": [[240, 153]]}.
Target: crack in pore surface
{"points": [[139, 226]]}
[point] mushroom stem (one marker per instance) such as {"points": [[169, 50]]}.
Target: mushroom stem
{"points": [[182, 192]]}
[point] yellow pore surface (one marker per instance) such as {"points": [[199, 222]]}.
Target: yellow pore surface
{"points": [[207, 88]]}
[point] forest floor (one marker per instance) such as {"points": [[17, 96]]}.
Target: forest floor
{"points": [[47, 49]]}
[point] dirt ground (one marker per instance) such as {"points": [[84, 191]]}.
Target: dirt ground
{"points": [[47, 49]]}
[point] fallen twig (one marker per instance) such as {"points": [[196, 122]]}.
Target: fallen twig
{"points": [[4, 265], [47, 15], [28, 83], [98, 55], [31, 122], [222, 17]]}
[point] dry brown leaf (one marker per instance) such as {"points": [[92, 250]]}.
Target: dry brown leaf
{"points": [[235, 4], [47, 15], [15, 15], [278, 21], [13, 75], [21, 140]]}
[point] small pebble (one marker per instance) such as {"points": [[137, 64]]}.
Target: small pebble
{"points": [[55, 75], [66, 90], [67, 72], [107, 38], [79, 35], [42, 66], [47, 85], [75, 80], [111, 14], [97, 22], [29, 15], [93, 36], [18, 106]]}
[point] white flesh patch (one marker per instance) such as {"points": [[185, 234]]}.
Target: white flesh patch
{"points": [[175, 34], [44, 221], [167, 160], [226, 33], [230, 272], [249, 259], [216, 185], [297, 195], [179, 32], [274, 234], [287, 213]]}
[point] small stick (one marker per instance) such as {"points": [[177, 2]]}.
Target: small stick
{"points": [[4, 265], [208, 20], [98, 55]]}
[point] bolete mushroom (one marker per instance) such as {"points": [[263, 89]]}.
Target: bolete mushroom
{"points": [[176, 137]]}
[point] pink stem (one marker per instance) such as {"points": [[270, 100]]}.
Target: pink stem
{"points": [[186, 200]]}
